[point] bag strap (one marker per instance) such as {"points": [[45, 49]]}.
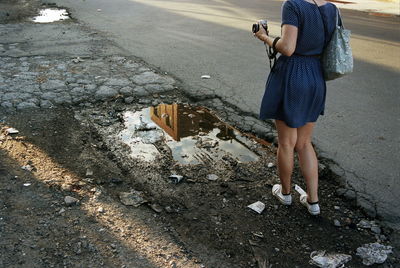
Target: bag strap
{"points": [[323, 22]]}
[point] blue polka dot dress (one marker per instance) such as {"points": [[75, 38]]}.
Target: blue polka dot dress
{"points": [[295, 90]]}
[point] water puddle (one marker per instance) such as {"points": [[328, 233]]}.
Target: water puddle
{"points": [[51, 15], [193, 135]]}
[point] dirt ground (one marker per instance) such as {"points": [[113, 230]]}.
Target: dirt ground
{"points": [[62, 175], [198, 222]]}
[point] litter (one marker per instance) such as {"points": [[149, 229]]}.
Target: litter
{"points": [[11, 131], [27, 167], [176, 178], [99, 10], [77, 60], [373, 253], [89, 173], [212, 177], [323, 260], [257, 207], [27, 184], [132, 198], [206, 76]]}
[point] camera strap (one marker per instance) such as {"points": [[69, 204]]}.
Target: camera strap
{"points": [[272, 52]]}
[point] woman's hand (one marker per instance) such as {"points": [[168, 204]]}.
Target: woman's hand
{"points": [[262, 33]]}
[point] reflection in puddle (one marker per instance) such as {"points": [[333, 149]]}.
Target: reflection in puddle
{"points": [[192, 133], [51, 15]]}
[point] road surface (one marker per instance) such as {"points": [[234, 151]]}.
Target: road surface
{"points": [[188, 39]]}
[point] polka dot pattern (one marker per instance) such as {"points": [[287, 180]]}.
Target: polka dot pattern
{"points": [[295, 89]]}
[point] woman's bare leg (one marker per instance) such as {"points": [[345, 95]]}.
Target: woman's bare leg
{"points": [[287, 137], [308, 160]]}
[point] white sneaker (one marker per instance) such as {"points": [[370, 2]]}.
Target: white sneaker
{"points": [[312, 208], [284, 199]]}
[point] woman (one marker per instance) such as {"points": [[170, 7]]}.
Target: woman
{"points": [[295, 91]]}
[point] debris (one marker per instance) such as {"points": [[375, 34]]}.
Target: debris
{"points": [[100, 210], [260, 255], [336, 223], [77, 60], [99, 10], [373, 253], [323, 260], [27, 167], [69, 200], [376, 229], [206, 76], [364, 224], [212, 177], [132, 198], [27, 184], [270, 165], [258, 234], [336, 207], [89, 172], [257, 207], [156, 207], [11, 131], [62, 210], [176, 178], [116, 180]]}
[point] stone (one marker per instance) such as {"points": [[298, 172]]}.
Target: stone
{"points": [[105, 93], [45, 104], [140, 91], [69, 200], [336, 223], [126, 91], [26, 105], [376, 229], [122, 82], [53, 84], [6, 105], [148, 78], [49, 96], [132, 198], [129, 100]]}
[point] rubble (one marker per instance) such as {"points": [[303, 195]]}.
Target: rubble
{"points": [[374, 253], [328, 260]]}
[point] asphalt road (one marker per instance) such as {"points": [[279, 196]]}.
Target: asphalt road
{"points": [[361, 128]]}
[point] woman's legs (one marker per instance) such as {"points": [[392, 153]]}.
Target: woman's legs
{"points": [[308, 160], [299, 139], [287, 138]]}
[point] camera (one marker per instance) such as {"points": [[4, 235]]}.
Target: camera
{"points": [[256, 26]]}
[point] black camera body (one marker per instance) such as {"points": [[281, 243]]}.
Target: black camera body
{"points": [[256, 26]]}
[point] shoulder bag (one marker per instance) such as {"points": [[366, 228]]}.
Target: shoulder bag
{"points": [[337, 57]]}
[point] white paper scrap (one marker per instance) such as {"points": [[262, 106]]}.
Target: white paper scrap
{"points": [[12, 130], [206, 76], [257, 207]]}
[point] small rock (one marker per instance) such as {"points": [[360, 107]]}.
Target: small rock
{"points": [[336, 207], [157, 208], [61, 211], [132, 198], [66, 187], [69, 200], [336, 223], [100, 210], [212, 177], [376, 229], [206, 76], [89, 173], [270, 165]]}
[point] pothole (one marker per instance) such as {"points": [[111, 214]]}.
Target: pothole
{"points": [[51, 15], [192, 134]]}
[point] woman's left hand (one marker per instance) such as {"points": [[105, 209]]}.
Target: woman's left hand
{"points": [[262, 33]]}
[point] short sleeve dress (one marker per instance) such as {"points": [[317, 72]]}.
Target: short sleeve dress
{"points": [[295, 90]]}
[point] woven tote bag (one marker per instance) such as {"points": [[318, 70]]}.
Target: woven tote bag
{"points": [[337, 57]]}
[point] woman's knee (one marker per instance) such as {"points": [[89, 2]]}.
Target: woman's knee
{"points": [[302, 144], [287, 143]]}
